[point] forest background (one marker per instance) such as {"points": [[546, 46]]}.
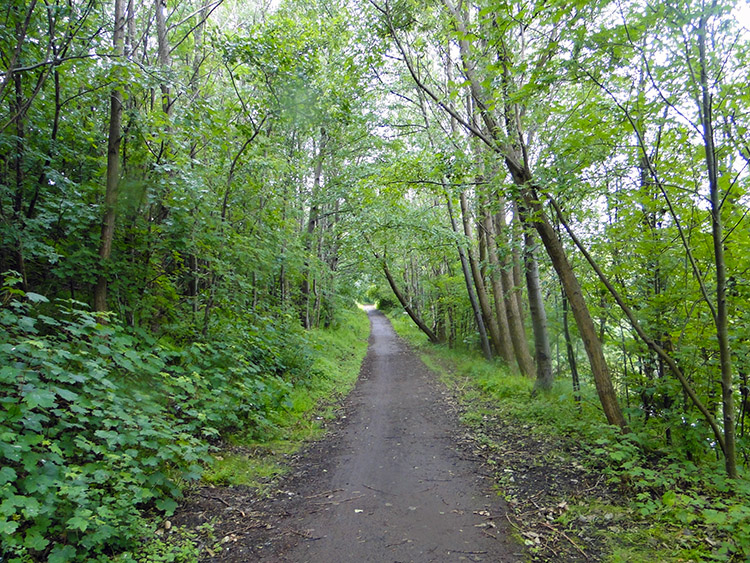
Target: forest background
{"points": [[189, 191]]}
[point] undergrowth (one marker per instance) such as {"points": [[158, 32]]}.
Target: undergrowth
{"points": [[102, 426], [670, 509], [257, 460]]}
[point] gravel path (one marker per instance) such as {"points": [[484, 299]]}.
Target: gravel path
{"points": [[394, 480], [394, 486]]}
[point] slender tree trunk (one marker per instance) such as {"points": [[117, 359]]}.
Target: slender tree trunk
{"points": [[311, 223], [113, 169], [483, 340], [544, 376], [517, 236], [18, 165], [484, 301], [163, 53], [717, 232], [569, 350], [506, 348], [515, 322]]}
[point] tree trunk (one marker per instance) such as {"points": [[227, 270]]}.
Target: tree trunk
{"points": [[312, 220], [506, 349], [483, 340], [515, 322], [544, 376], [163, 53], [569, 350], [405, 303], [113, 169], [717, 232], [586, 327], [18, 165], [517, 231], [484, 301]]}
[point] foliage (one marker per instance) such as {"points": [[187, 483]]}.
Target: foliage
{"points": [[693, 508], [257, 460], [101, 425]]}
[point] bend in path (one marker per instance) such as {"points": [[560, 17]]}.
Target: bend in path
{"points": [[394, 486]]}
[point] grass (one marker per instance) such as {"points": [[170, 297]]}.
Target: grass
{"points": [[338, 352]]}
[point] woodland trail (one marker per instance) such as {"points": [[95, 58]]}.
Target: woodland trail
{"points": [[401, 490], [390, 484], [398, 488]]}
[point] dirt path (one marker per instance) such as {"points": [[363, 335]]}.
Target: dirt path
{"points": [[389, 485]]}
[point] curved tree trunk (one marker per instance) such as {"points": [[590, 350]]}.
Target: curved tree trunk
{"points": [[405, 304]]}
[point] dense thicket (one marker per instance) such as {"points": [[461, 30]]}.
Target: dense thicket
{"points": [[185, 188]]}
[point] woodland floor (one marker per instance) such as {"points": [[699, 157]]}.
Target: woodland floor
{"points": [[398, 478]]}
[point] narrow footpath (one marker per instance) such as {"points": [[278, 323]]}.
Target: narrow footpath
{"points": [[391, 483]]}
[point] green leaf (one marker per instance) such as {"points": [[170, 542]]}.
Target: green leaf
{"points": [[77, 523], [61, 554], [669, 498], [7, 527], [66, 394], [40, 398], [715, 517], [7, 475], [167, 505], [34, 540], [36, 297], [9, 374]]}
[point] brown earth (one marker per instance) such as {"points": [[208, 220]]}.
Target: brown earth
{"points": [[393, 481]]}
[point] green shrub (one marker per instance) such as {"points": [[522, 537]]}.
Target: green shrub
{"points": [[100, 426]]}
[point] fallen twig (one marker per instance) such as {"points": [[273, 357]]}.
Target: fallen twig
{"points": [[324, 494], [338, 501], [376, 490], [563, 534]]}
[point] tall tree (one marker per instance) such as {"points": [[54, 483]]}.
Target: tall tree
{"points": [[114, 139]]}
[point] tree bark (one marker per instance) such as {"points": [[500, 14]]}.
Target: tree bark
{"points": [[483, 340], [515, 322], [569, 350], [163, 53], [311, 223], [484, 301], [543, 355], [113, 169], [717, 232], [506, 349]]}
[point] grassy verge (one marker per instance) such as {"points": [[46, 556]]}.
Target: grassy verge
{"points": [[338, 353], [576, 489]]}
